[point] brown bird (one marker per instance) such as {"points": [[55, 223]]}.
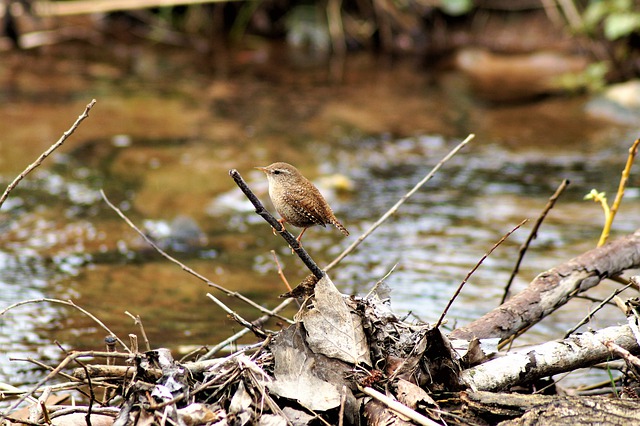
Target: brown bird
{"points": [[297, 200]]}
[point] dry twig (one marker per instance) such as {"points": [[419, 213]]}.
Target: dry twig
{"points": [[397, 205], [487, 254], [532, 235], [186, 268], [48, 152]]}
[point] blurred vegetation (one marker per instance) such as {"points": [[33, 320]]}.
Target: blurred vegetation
{"points": [[607, 30]]}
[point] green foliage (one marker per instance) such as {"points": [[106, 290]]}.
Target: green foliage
{"points": [[619, 18], [592, 78], [456, 7]]}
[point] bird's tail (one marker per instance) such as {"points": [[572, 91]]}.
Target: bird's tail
{"points": [[341, 227]]}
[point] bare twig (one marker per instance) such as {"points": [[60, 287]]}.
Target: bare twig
{"points": [[280, 271], [237, 317], [398, 407], [620, 194], [137, 320], [48, 152], [380, 281], [57, 370], [185, 267], [588, 317], [397, 205], [533, 235], [264, 213], [244, 331], [487, 254], [73, 305]]}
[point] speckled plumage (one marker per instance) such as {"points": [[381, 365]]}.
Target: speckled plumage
{"points": [[297, 200]]}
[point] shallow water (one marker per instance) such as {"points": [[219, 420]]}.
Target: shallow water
{"points": [[169, 125]]}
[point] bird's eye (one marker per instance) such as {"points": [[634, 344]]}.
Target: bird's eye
{"points": [[276, 172]]}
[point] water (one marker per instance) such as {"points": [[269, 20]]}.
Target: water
{"points": [[162, 138]]}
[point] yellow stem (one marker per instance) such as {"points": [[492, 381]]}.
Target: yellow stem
{"points": [[610, 214]]}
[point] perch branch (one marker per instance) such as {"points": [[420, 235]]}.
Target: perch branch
{"points": [[397, 205], [48, 152], [288, 237]]}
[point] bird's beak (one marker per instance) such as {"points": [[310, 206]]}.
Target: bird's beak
{"points": [[263, 169]]}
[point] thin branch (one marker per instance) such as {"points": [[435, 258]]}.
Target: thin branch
{"points": [[588, 317], [398, 407], [487, 254], [264, 213], [73, 305], [244, 331], [380, 281], [243, 322], [48, 152], [186, 268], [533, 235], [137, 320], [280, 271], [396, 206], [623, 183], [53, 373]]}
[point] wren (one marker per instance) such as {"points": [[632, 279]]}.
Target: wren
{"points": [[297, 200]]}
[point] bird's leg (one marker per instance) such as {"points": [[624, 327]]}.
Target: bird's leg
{"points": [[281, 222], [300, 236]]}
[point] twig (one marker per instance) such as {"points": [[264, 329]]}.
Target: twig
{"points": [[487, 254], [282, 276], [596, 309], [48, 152], [54, 372], [244, 331], [264, 213], [343, 400], [631, 359], [380, 281], [73, 305], [92, 395], [398, 407], [238, 318], [185, 267], [623, 183], [533, 235], [137, 320], [397, 205], [280, 271]]}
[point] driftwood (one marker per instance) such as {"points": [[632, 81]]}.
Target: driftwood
{"points": [[553, 288], [525, 366]]}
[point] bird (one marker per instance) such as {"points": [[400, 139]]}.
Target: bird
{"points": [[297, 200]]}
